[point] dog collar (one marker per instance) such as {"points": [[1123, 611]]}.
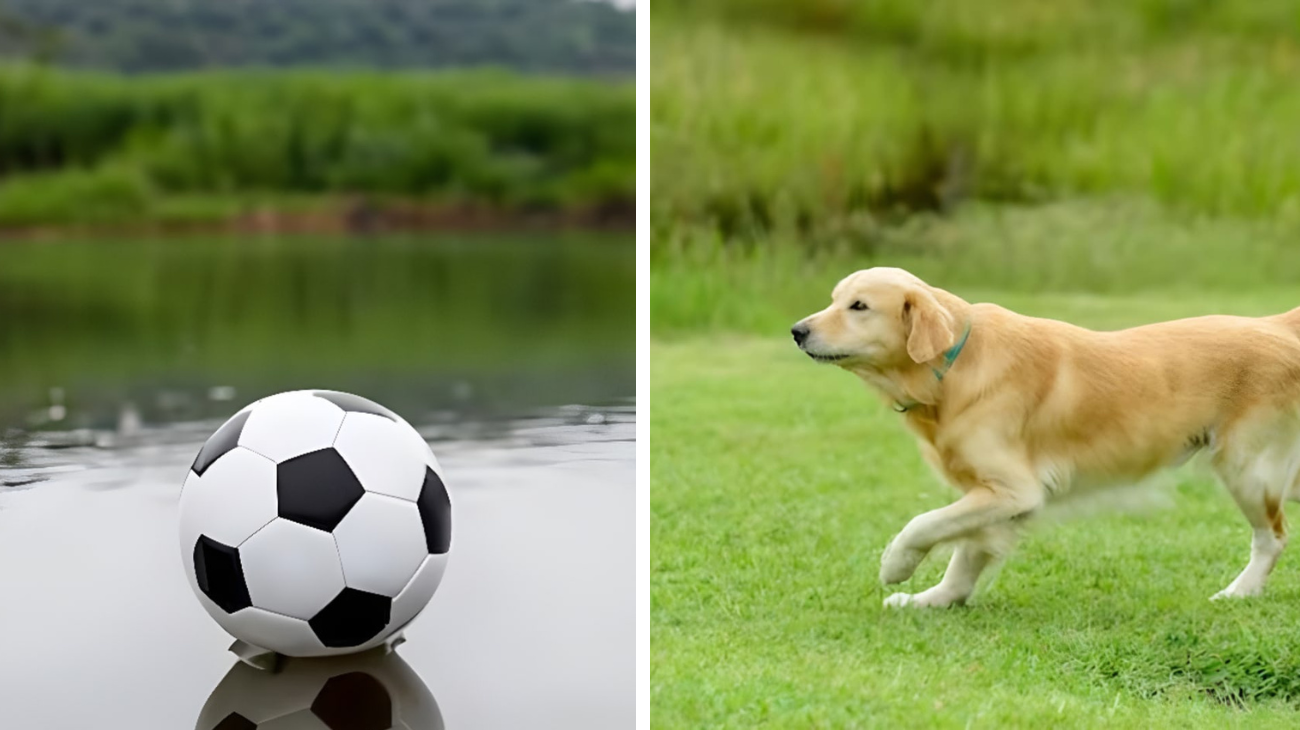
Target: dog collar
{"points": [[949, 357]]}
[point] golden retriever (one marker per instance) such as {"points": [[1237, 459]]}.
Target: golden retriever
{"points": [[1017, 411]]}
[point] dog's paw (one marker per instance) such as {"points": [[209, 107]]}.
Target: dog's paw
{"points": [[899, 563], [1235, 592], [933, 598], [899, 600]]}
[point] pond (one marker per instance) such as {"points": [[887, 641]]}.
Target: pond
{"points": [[513, 356]]}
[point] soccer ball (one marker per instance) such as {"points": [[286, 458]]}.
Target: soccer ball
{"points": [[314, 523], [370, 691]]}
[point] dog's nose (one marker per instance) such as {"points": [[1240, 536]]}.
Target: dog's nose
{"points": [[800, 332]]}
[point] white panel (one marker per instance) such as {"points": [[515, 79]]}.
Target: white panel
{"points": [[433, 462], [411, 601], [422, 446], [233, 499], [291, 424], [289, 636], [189, 530], [291, 569], [386, 456], [213, 609], [190, 478], [381, 543]]}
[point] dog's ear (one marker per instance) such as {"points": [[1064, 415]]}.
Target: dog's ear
{"points": [[930, 326]]}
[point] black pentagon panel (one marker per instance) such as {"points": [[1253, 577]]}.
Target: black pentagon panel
{"points": [[355, 403], [354, 701], [317, 489], [235, 721], [225, 439], [220, 575], [435, 513], [352, 618]]}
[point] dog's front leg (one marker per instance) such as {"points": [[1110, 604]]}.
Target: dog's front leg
{"points": [[972, 555], [977, 509]]}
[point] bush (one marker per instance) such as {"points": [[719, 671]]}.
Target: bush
{"points": [[491, 137], [105, 194]]}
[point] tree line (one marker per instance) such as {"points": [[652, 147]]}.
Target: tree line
{"points": [[546, 36]]}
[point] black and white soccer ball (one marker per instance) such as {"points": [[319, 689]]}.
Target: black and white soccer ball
{"points": [[370, 691], [315, 523]]}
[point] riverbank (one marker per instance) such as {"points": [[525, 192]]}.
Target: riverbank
{"points": [[341, 215]]}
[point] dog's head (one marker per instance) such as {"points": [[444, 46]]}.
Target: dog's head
{"points": [[878, 318]]}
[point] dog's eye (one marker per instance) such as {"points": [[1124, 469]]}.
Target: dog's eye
{"points": [[858, 307]]}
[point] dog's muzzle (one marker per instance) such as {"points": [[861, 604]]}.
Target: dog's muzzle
{"points": [[800, 332]]}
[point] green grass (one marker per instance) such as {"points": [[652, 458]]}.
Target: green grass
{"points": [[80, 147], [775, 485], [1107, 163], [1122, 255]]}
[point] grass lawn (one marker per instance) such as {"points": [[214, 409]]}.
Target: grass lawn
{"points": [[776, 483]]}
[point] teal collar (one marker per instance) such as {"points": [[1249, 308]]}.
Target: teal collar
{"points": [[949, 357]]}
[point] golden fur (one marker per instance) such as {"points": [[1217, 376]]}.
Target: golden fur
{"points": [[1032, 409]]}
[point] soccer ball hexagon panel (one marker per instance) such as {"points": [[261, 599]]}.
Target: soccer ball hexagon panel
{"points": [[315, 523]]}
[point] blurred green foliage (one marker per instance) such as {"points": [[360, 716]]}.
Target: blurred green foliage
{"points": [[969, 32], [755, 127], [82, 147], [1089, 146], [156, 35]]}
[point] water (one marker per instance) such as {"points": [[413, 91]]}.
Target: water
{"points": [[513, 358]]}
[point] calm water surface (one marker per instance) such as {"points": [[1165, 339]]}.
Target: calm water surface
{"points": [[513, 357]]}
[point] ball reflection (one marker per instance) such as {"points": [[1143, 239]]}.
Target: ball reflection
{"points": [[375, 690]]}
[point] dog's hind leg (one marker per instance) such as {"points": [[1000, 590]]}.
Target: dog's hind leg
{"points": [[971, 556], [1258, 484]]}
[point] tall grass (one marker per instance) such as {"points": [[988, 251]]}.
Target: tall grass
{"points": [[483, 137], [761, 126], [998, 147], [1046, 259]]}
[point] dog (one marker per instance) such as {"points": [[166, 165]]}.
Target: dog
{"points": [[1017, 412]]}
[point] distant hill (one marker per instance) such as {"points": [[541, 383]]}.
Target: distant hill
{"points": [[568, 36]]}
